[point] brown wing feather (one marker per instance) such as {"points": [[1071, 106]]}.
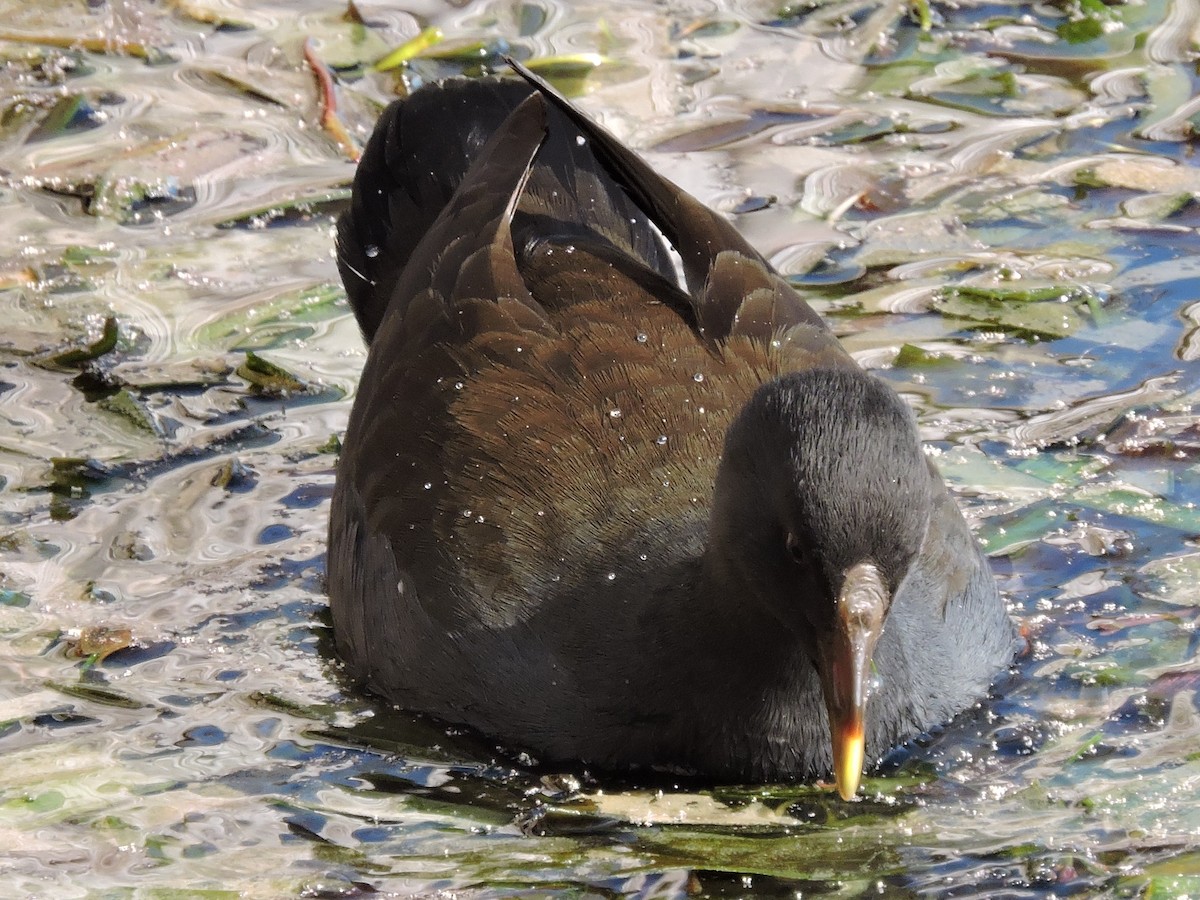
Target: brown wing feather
{"points": [[565, 361], [486, 198], [621, 403], [695, 231], [722, 270]]}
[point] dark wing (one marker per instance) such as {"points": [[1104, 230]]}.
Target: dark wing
{"points": [[418, 155], [734, 291], [528, 333], [458, 303], [467, 253], [407, 203]]}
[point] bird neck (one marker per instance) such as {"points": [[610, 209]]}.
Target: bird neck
{"points": [[739, 690], [741, 634]]}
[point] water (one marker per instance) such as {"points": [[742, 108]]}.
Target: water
{"points": [[995, 214]]}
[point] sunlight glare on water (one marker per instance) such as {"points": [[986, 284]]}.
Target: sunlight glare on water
{"points": [[996, 212]]}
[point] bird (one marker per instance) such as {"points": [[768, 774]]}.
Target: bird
{"points": [[611, 493]]}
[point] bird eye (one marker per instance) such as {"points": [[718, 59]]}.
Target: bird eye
{"points": [[796, 550]]}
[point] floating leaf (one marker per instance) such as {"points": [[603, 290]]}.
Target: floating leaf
{"points": [[1088, 21], [409, 49], [1047, 312], [134, 201], [1102, 673], [69, 474], [227, 80], [1008, 535], [17, 599], [267, 377], [1174, 579], [206, 16], [1086, 747], [71, 483], [77, 255], [913, 357], [98, 642], [1170, 887], [1169, 115], [184, 375], [47, 801], [302, 208], [712, 135], [79, 355], [1150, 174], [709, 28], [1162, 434], [1185, 863], [1154, 207], [573, 65], [70, 115], [94, 694], [17, 277], [253, 328], [1124, 501], [104, 45], [321, 712], [128, 407], [152, 179], [462, 51], [231, 474], [1080, 31]]}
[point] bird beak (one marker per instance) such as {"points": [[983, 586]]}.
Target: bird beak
{"points": [[845, 667]]}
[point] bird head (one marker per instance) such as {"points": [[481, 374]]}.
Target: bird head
{"points": [[822, 500]]}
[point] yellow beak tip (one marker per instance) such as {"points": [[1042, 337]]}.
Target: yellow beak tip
{"points": [[848, 765]]}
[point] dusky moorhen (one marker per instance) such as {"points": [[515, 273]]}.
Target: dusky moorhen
{"points": [[603, 515]]}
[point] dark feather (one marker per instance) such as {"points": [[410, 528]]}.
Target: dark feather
{"points": [[561, 510]]}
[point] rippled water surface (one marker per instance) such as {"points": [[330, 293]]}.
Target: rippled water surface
{"points": [[994, 203]]}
